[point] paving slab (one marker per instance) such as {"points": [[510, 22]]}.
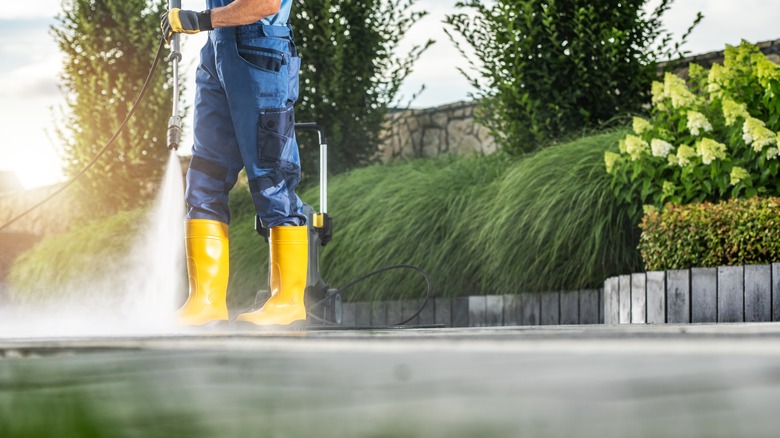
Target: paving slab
{"points": [[555, 381]]}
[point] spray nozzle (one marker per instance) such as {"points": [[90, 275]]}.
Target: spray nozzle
{"points": [[174, 132]]}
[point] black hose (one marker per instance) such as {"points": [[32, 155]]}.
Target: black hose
{"points": [[110, 142], [369, 275]]}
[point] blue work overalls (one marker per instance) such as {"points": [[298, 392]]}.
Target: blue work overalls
{"points": [[246, 84]]}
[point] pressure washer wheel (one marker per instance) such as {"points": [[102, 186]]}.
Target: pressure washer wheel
{"points": [[337, 307]]}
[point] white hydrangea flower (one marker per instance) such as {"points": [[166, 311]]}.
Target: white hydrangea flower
{"points": [[684, 155], [636, 147], [657, 91], [609, 160], [715, 79], [710, 150], [660, 148], [641, 125], [772, 153], [755, 133], [698, 122], [676, 89], [732, 111], [738, 174]]}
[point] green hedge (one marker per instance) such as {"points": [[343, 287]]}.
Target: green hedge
{"points": [[735, 232], [478, 225]]}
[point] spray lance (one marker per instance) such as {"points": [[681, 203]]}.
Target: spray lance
{"points": [[174, 123]]}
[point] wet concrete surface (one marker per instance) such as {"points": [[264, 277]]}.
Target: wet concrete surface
{"points": [[568, 381]]}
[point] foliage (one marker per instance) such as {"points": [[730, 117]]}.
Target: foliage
{"points": [[727, 233], [350, 73], [477, 225], [548, 68], [108, 48], [712, 138]]}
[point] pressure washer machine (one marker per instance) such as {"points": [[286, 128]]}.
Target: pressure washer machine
{"points": [[323, 304]]}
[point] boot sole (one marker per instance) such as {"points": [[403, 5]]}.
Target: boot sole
{"points": [[248, 326]]}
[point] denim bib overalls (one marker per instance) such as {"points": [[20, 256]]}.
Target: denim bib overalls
{"points": [[246, 85]]}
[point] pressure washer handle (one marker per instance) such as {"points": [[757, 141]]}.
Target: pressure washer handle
{"points": [[174, 123], [310, 126]]}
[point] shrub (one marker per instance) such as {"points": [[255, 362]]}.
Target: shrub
{"points": [[712, 138], [108, 47], [545, 69], [351, 73], [734, 232], [475, 224]]}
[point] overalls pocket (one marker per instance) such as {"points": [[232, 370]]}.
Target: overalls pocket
{"points": [[276, 129], [262, 57]]}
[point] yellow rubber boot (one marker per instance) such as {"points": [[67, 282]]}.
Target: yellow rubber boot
{"points": [[289, 264], [208, 268]]}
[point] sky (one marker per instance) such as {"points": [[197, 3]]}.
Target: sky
{"points": [[30, 62]]}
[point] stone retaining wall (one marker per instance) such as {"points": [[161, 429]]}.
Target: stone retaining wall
{"points": [[749, 293], [435, 131]]}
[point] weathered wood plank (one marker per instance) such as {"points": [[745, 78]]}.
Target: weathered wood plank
{"points": [[611, 301], [656, 297], [460, 312], [589, 306], [731, 294], [443, 311], [570, 307], [758, 293], [494, 310], [638, 298], [427, 314], [704, 295], [625, 299], [775, 291], [678, 296], [363, 314], [348, 314], [530, 313]]}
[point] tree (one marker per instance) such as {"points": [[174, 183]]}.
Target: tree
{"points": [[548, 68], [350, 73], [108, 48]]}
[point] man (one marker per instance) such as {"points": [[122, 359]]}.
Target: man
{"points": [[246, 84]]}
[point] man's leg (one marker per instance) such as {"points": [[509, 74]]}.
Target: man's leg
{"points": [[259, 86], [213, 171]]}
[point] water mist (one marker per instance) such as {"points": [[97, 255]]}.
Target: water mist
{"points": [[137, 294]]}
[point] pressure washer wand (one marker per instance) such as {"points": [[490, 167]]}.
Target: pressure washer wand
{"points": [[174, 124]]}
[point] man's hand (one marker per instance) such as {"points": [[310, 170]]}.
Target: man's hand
{"points": [[182, 21]]}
